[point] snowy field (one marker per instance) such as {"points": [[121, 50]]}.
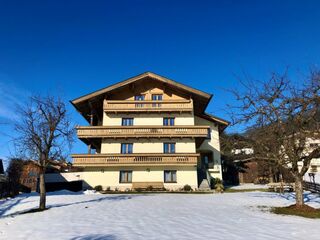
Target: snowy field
{"points": [[247, 186], [155, 216]]}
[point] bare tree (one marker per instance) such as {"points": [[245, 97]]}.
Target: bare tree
{"points": [[44, 131], [282, 120]]}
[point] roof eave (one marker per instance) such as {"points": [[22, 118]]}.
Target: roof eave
{"points": [[136, 78]]}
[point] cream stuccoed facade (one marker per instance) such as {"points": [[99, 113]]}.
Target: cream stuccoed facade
{"points": [[148, 130]]}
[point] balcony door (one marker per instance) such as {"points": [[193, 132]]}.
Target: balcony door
{"points": [[139, 98], [156, 97]]}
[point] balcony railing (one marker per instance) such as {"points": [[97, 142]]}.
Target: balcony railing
{"points": [[141, 159], [142, 131], [148, 106]]}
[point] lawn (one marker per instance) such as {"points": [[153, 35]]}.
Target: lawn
{"points": [[156, 216]]}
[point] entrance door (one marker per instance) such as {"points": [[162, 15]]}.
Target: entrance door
{"points": [[206, 160]]}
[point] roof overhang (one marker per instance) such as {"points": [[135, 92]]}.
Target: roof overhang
{"points": [[219, 121], [83, 104]]}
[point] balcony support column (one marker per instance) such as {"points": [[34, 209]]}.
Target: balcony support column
{"points": [[91, 124]]}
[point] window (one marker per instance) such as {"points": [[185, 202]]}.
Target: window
{"points": [[127, 122], [156, 97], [314, 145], [209, 134], [126, 148], [125, 177], [170, 176], [139, 98], [314, 169], [168, 121], [169, 147]]}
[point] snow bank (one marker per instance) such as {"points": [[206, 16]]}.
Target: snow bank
{"points": [[90, 192], [156, 216]]}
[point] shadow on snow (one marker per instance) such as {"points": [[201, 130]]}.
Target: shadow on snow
{"points": [[308, 196], [95, 237], [18, 200]]}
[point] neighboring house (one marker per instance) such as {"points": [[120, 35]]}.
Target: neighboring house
{"points": [[313, 173], [245, 151], [148, 129], [250, 170], [30, 173]]}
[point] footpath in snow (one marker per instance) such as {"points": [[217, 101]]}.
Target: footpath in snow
{"points": [[155, 216]]}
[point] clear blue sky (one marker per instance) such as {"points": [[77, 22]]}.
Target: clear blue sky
{"points": [[71, 48]]}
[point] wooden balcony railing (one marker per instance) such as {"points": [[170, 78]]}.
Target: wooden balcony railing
{"points": [[142, 131], [141, 159], [148, 106]]}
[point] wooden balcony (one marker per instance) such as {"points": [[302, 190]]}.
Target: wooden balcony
{"points": [[142, 131], [116, 106], [141, 159]]}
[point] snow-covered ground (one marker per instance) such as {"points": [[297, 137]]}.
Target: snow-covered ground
{"points": [[250, 186], [155, 216]]}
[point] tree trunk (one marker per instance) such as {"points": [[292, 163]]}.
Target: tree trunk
{"points": [[270, 174], [42, 205], [299, 192]]}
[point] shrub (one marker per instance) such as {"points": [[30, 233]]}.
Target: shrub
{"points": [[219, 187], [261, 180], [108, 189], [138, 189], [187, 188], [98, 188], [149, 188], [214, 181]]}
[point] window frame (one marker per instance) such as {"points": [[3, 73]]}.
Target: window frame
{"points": [[209, 134], [157, 96], [127, 147], [127, 172], [140, 97], [171, 149], [169, 120], [143, 96], [130, 121], [173, 176]]}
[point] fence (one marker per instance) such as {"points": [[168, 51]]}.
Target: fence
{"points": [[312, 187]]}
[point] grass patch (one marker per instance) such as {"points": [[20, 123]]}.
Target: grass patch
{"points": [[304, 211], [232, 190]]}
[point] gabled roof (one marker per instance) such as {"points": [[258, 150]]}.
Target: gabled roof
{"points": [[201, 99], [137, 78]]}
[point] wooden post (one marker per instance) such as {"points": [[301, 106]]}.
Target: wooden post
{"points": [[91, 124]]}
